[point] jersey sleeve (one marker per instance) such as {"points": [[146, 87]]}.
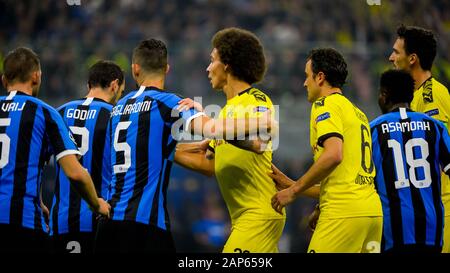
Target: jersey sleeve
{"points": [[328, 120], [436, 104], [212, 145], [260, 104], [61, 141], [188, 116], [444, 148]]}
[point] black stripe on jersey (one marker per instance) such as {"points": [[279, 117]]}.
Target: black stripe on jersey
{"points": [[52, 131], [388, 164], [435, 187], [42, 160], [142, 154], [444, 155], [3, 114], [120, 159], [165, 114], [74, 197], [98, 149], [22, 157], [168, 149], [322, 139], [55, 211], [420, 223], [56, 205]]}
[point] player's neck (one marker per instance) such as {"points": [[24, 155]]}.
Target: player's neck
{"points": [[420, 76], [99, 93], [156, 81], [328, 90], [22, 87], [398, 105], [234, 87]]}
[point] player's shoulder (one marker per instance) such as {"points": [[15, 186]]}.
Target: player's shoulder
{"points": [[70, 104], [255, 95], [439, 86], [335, 100]]}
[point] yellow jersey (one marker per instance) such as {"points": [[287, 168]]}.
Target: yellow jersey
{"points": [[349, 191], [433, 99], [241, 174]]}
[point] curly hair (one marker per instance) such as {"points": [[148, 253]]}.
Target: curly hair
{"points": [[243, 52], [331, 63], [419, 41], [102, 73]]}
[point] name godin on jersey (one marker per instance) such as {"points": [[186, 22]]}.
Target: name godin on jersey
{"points": [[406, 126], [13, 106], [81, 114], [129, 109]]}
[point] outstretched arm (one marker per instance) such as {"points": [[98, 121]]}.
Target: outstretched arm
{"points": [[195, 157]]}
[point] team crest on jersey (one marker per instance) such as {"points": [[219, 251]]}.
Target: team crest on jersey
{"points": [[323, 116], [258, 95], [320, 102], [427, 91]]}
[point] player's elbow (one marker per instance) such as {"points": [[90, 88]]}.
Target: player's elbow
{"points": [[335, 159]]}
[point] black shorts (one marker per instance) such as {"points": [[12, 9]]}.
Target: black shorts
{"points": [[132, 237], [16, 239], [415, 248], [74, 242]]}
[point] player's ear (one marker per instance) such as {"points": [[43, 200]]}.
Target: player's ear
{"points": [[4, 82], [135, 69], [167, 69], [320, 78], [412, 58], [35, 76]]}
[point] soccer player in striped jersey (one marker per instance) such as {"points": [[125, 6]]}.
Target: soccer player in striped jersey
{"points": [[71, 221], [350, 209], [30, 131], [414, 51], [144, 127], [409, 150], [237, 62]]}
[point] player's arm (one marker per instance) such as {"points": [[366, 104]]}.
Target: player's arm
{"points": [[231, 129], [330, 158], [195, 157], [282, 182], [83, 184]]}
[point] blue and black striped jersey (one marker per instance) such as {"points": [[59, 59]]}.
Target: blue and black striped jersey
{"points": [[409, 151], [142, 154], [30, 131], [88, 120]]}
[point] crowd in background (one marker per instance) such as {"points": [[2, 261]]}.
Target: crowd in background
{"points": [[69, 39]]}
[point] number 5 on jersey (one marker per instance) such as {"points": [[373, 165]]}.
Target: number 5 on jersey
{"points": [[122, 147]]}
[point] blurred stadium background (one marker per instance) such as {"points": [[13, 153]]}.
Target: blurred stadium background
{"points": [[70, 38]]}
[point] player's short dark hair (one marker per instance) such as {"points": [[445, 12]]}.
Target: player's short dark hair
{"points": [[242, 51], [331, 63], [19, 64], [151, 55], [102, 73], [398, 85], [419, 41]]}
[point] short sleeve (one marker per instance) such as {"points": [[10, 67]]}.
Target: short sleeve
{"points": [[61, 141], [328, 121]]}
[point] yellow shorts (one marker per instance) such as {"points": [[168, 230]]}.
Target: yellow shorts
{"points": [[347, 235], [257, 236], [446, 245]]}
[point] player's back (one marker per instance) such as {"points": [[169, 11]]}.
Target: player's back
{"points": [[88, 120], [28, 127], [349, 190], [142, 155], [406, 151], [242, 174]]}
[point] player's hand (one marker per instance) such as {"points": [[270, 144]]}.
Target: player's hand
{"points": [[281, 180], [103, 208], [187, 103], [313, 218], [282, 198], [46, 213]]}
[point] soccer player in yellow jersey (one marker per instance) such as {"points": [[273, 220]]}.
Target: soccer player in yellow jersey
{"points": [[414, 51], [351, 215], [237, 62]]}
